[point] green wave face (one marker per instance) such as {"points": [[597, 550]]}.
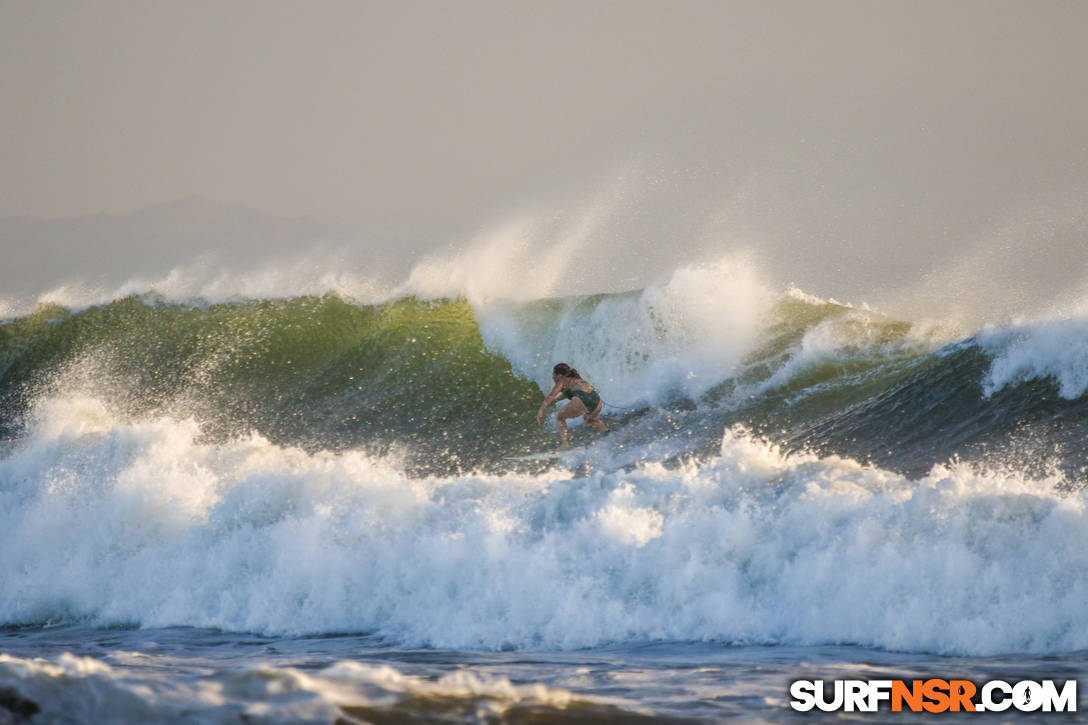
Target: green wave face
{"points": [[313, 371], [415, 379], [817, 358]]}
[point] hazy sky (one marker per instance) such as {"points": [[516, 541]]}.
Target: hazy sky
{"points": [[845, 142]]}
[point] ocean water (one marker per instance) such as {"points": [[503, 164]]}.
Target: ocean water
{"points": [[309, 508]]}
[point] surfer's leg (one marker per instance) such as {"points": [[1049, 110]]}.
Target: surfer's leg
{"points": [[594, 419], [573, 409]]}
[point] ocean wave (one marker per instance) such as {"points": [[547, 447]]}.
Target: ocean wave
{"points": [[74, 689], [1056, 349], [147, 523], [677, 338], [455, 385]]}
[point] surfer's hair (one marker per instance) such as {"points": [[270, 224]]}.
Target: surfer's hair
{"points": [[565, 371]]}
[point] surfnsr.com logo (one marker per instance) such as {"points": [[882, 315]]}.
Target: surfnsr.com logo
{"points": [[933, 695]]}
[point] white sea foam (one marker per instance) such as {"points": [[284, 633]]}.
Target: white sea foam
{"points": [[1055, 348], [304, 275], [141, 522], [681, 336], [75, 689], [204, 281]]}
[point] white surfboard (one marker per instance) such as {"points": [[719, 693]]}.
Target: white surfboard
{"points": [[546, 456]]}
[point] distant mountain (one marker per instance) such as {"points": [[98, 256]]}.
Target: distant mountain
{"points": [[106, 250]]}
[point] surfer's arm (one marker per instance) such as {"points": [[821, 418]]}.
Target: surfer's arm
{"points": [[549, 401]]}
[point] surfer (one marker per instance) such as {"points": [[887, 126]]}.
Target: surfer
{"points": [[584, 401]]}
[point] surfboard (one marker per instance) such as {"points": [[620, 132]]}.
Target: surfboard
{"points": [[553, 454], [545, 456]]}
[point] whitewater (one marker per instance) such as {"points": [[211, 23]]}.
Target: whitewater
{"points": [[223, 502]]}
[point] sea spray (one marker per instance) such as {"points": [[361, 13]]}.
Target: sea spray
{"points": [[144, 523], [1051, 348], [316, 371], [680, 337]]}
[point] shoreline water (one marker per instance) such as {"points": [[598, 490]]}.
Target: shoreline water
{"points": [[193, 675]]}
